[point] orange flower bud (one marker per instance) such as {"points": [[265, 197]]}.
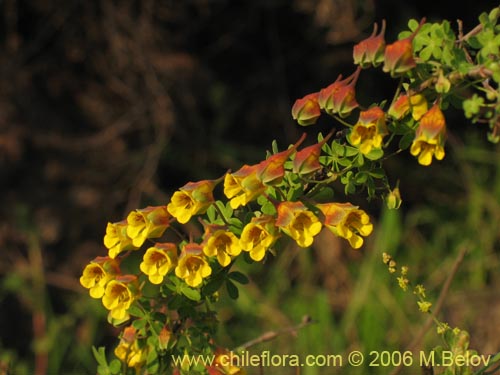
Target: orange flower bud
{"points": [[307, 160], [272, 170], [398, 57], [306, 110], [164, 338], [340, 97], [371, 50]]}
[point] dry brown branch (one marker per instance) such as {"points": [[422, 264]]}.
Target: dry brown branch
{"points": [[271, 335]]}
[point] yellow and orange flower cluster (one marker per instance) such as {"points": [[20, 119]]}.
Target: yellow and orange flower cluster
{"points": [[430, 135], [193, 262]]}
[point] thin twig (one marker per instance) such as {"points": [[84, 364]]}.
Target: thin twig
{"points": [[271, 335], [439, 304]]}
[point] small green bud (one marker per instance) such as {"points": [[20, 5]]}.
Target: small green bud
{"points": [[443, 84], [393, 199]]}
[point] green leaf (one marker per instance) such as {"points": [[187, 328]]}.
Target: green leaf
{"points": [[135, 310], [426, 52], [361, 177], [473, 105], [474, 42], [413, 24], [103, 370], [152, 361], [484, 19], [274, 146], [238, 277], [323, 194], [214, 284], [268, 208], [375, 154], [350, 189], [493, 138], [377, 173], [191, 293], [115, 366], [351, 151], [100, 355], [406, 140], [139, 324], [232, 290], [211, 213]]}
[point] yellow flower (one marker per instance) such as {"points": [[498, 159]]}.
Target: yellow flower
{"points": [[369, 131], [242, 186], [416, 104], [158, 261], [347, 221], [128, 349], [192, 266], [298, 222], [149, 222], [403, 283], [424, 306], [430, 137], [258, 236], [192, 199], [97, 274], [116, 239], [222, 244], [118, 297]]}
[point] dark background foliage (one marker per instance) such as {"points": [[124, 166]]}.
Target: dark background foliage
{"points": [[107, 106]]}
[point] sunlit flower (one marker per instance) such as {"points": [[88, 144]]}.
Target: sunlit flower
{"points": [[398, 57], [298, 222], [192, 266], [306, 110], [272, 170], [97, 274], [430, 137], [369, 131], [118, 297], [149, 222], [128, 350], [370, 51], [158, 261], [192, 199], [243, 186], [258, 236], [347, 221], [306, 161], [340, 97], [416, 104], [116, 239], [223, 245]]}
